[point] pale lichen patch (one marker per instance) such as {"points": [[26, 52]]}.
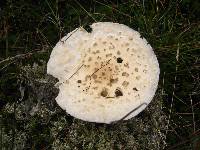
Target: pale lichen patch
{"points": [[118, 92], [104, 92]]}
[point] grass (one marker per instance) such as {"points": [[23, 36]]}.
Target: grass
{"points": [[30, 29]]}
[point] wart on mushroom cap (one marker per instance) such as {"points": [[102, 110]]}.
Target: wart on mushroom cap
{"points": [[104, 74]]}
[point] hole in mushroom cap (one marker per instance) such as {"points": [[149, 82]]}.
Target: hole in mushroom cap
{"points": [[88, 28], [118, 92], [104, 92], [135, 89], [79, 81], [119, 60]]}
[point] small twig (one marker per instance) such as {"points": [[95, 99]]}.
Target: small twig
{"points": [[74, 32], [19, 56], [174, 87], [111, 97], [195, 134], [163, 83], [85, 10], [10, 60], [15, 57], [185, 113], [69, 35], [114, 9], [100, 68], [130, 112], [1, 135], [75, 72], [193, 118], [8, 64], [70, 76], [188, 125]]}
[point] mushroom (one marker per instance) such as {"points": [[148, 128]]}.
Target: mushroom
{"points": [[106, 74]]}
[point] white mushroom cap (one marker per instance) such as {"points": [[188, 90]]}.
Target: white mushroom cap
{"points": [[104, 74]]}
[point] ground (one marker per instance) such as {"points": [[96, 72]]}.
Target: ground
{"points": [[29, 115]]}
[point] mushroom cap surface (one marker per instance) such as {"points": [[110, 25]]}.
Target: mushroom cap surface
{"points": [[105, 74]]}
